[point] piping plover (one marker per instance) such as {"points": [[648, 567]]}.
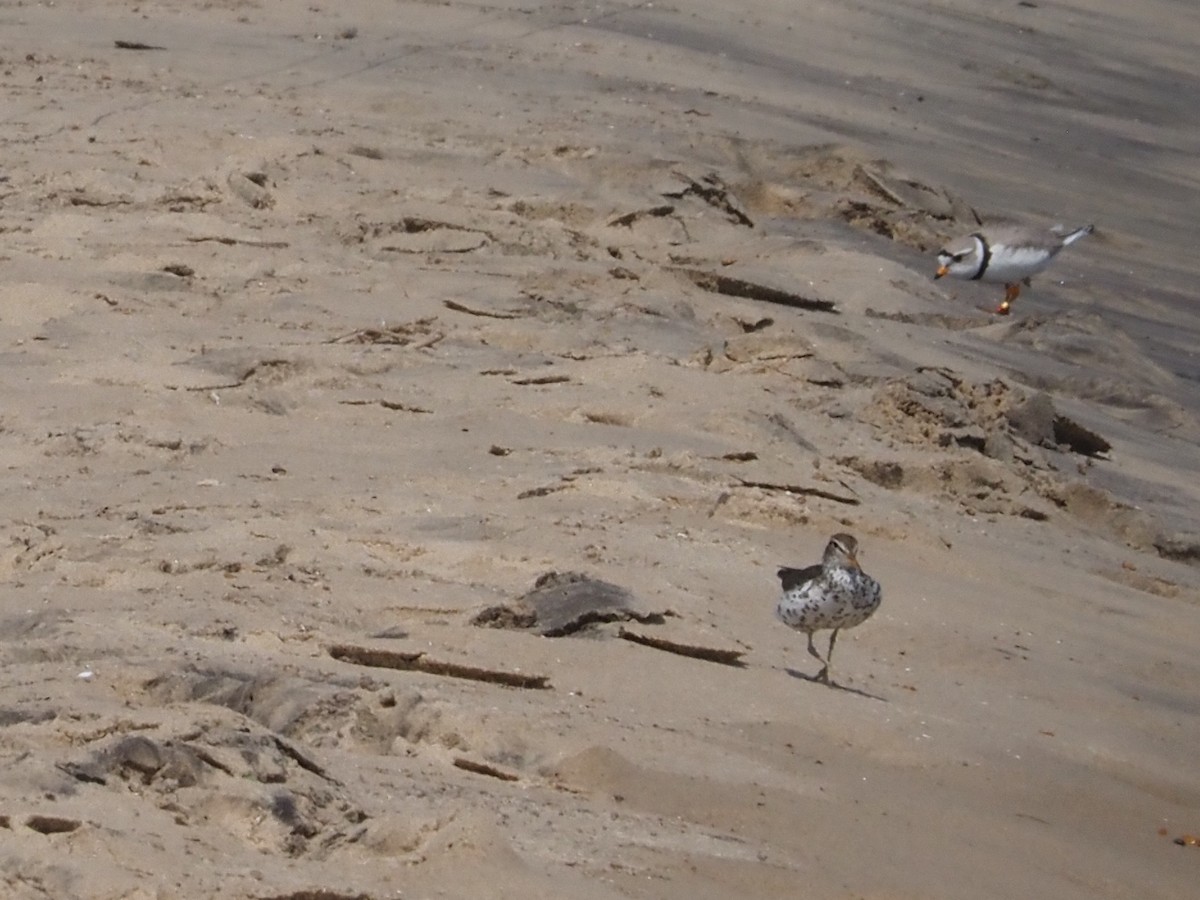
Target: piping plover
{"points": [[836, 594], [1008, 254]]}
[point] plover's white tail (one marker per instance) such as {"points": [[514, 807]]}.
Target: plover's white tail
{"points": [[1070, 236]]}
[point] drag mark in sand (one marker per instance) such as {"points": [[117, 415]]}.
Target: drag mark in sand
{"points": [[418, 662]]}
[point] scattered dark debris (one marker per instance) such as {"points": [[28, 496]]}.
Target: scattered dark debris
{"points": [[394, 405], [251, 188], [937, 407], [709, 654], [205, 756], [136, 45], [395, 632], [299, 758], [276, 557], [543, 379], [1033, 419], [866, 215], [740, 456], [785, 425], [365, 152], [1036, 420], [143, 760], [884, 473], [1079, 439], [497, 450], [417, 661], [972, 440], [563, 603], [828, 376], [82, 199], [738, 287], [183, 271], [757, 348], [52, 824], [139, 757], [542, 491], [932, 320], [505, 617], [315, 894], [1180, 548], [85, 773], [32, 716], [249, 372], [879, 186], [481, 768], [402, 407], [800, 489], [229, 242], [418, 224], [487, 313], [607, 418], [750, 326], [713, 191], [418, 334], [629, 218], [283, 808]]}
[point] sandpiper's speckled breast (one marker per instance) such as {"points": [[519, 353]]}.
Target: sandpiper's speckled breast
{"points": [[840, 598]]}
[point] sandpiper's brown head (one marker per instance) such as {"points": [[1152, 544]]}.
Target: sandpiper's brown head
{"points": [[841, 552]]}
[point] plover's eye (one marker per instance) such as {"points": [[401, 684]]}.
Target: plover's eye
{"points": [[958, 257]]}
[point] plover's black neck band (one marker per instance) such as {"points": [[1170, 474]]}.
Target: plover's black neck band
{"points": [[985, 256]]}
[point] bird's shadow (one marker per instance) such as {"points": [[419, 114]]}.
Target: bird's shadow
{"points": [[813, 679]]}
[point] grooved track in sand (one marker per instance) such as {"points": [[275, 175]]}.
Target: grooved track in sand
{"points": [[419, 662]]}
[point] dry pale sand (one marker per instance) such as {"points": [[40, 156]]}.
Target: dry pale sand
{"points": [[328, 327]]}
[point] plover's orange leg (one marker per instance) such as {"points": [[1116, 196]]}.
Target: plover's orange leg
{"points": [[1011, 293]]}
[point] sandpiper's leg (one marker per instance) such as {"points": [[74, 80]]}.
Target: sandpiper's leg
{"points": [[823, 675], [1011, 292], [813, 650], [829, 655]]}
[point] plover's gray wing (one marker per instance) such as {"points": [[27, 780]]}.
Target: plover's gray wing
{"points": [[1047, 240], [1020, 237]]}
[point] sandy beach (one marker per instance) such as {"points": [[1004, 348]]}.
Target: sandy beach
{"points": [[343, 341]]}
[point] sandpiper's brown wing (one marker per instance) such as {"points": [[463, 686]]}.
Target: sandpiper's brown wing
{"points": [[794, 578]]}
